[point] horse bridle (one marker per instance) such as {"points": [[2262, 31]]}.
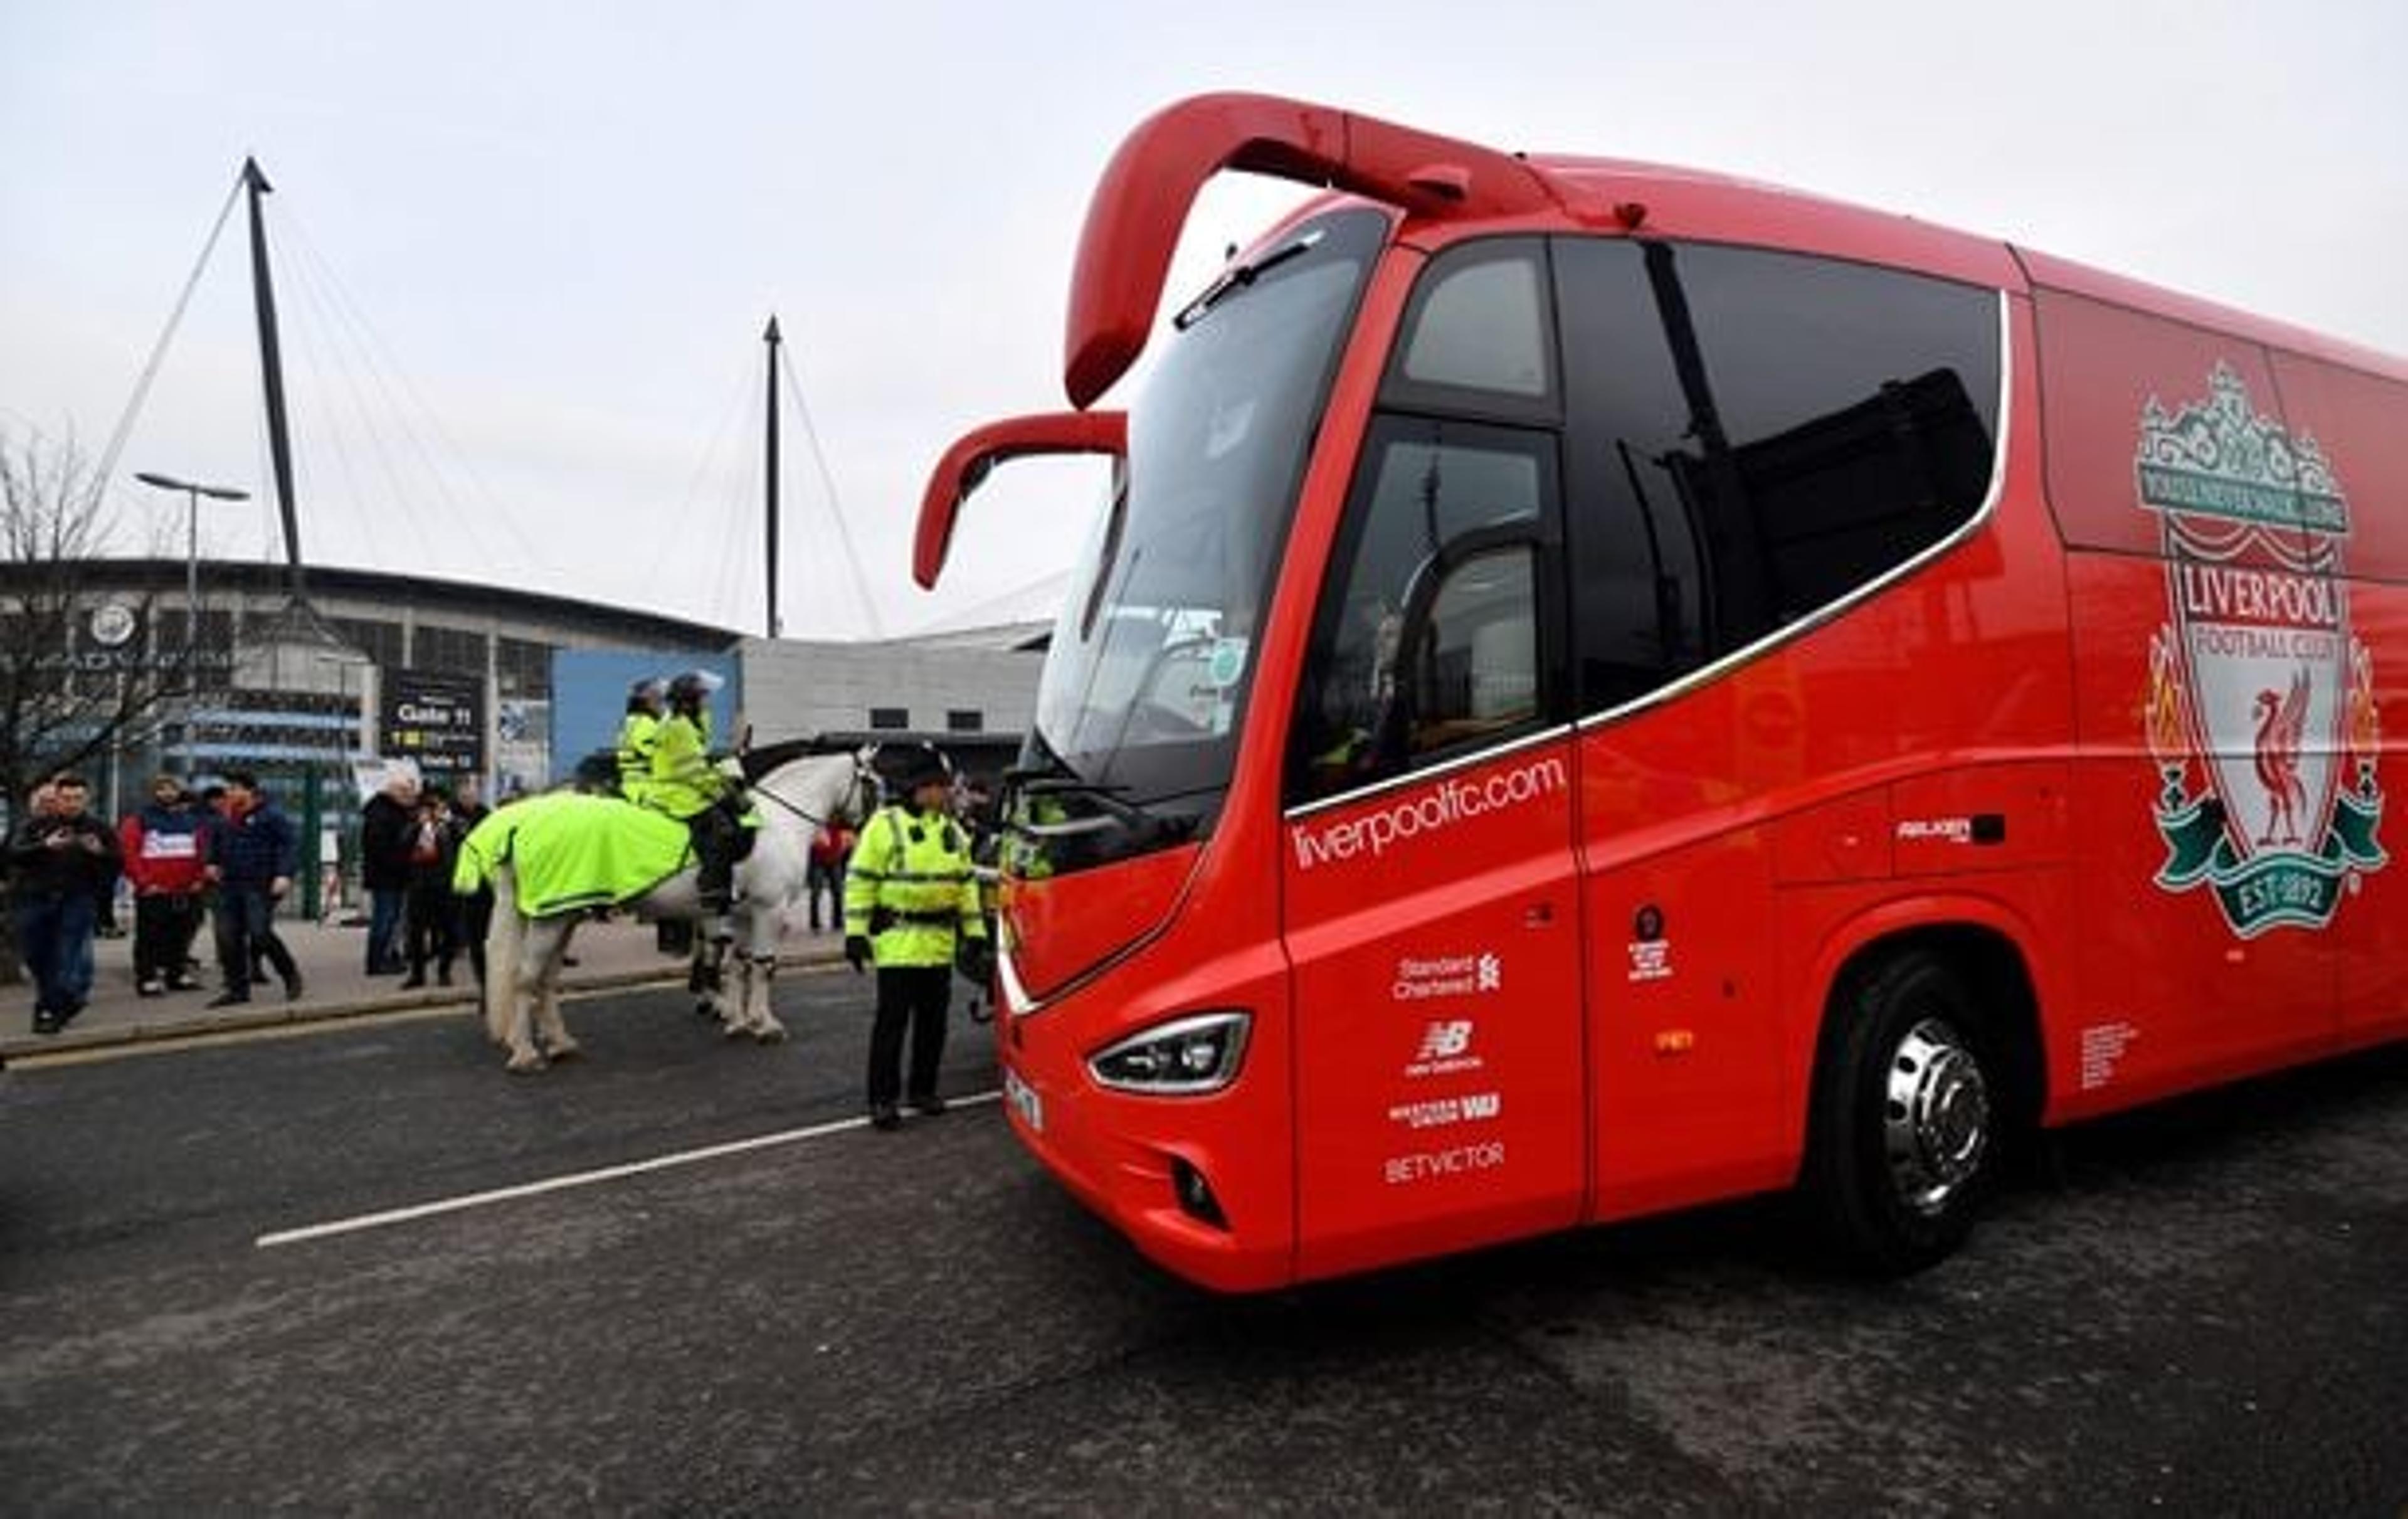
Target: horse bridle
{"points": [[861, 773]]}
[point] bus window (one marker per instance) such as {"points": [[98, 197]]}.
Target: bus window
{"points": [[1475, 672], [1429, 633], [1756, 435], [1479, 323]]}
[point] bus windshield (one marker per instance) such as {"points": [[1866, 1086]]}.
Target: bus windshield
{"points": [[1145, 683]]}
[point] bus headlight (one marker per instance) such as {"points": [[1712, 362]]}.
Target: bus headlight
{"points": [[1188, 1055]]}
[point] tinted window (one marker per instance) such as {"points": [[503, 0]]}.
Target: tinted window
{"points": [[378, 640], [885, 719], [453, 649], [1479, 323], [1752, 437], [523, 668], [1427, 640]]}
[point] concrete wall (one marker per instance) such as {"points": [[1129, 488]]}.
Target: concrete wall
{"points": [[793, 689]]}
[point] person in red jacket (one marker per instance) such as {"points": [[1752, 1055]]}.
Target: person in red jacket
{"points": [[162, 845]]}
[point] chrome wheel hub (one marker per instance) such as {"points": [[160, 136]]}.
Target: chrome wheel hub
{"points": [[1935, 1116]]}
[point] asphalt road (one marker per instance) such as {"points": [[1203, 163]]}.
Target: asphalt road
{"points": [[2205, 1312]]}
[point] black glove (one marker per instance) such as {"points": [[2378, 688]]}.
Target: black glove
{"points": [[856, 950], [974, 961]]}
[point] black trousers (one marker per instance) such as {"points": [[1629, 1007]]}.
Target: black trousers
{"points": [[431, 920], [718, 838], [247, 927], [828, 878], [914, 996], [164, 925], [475, 921]]}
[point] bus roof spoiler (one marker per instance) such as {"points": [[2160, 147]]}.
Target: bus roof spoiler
{"points": [[1140, 204], [964, 467]]}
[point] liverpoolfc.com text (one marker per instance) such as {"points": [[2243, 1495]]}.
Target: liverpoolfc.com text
{"points": [[1454, 800]]}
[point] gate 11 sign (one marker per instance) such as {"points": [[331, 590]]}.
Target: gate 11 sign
{"points": [[437, 719]]}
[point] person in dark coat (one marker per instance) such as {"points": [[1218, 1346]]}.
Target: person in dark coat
{"points": [[476, 910], [384, 867], [250, 852], [432, 913], [58, 855]]}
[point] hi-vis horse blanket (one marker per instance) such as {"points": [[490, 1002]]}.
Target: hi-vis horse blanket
{"points": [[573, 851]]}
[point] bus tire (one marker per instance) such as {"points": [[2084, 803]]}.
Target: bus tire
{"points": [[1904, 1130]]}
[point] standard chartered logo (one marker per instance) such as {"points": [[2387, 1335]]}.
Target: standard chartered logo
{"points": [[1451, 801]]}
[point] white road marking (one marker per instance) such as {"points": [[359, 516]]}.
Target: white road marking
{"points": [[578, 1179]]}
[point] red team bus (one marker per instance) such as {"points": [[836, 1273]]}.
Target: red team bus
{"points": [[1603, 687]]}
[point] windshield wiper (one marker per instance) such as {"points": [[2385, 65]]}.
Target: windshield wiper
{"points": [[1239, 277], [1110, 810], [1105, 804]]}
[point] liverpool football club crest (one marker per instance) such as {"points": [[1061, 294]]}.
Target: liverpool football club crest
{"points": [[2260, 711]]}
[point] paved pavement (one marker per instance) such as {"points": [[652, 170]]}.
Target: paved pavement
{"points": [[332, 958], [2201, 1313]]}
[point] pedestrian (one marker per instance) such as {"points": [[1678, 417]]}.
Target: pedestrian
{"points": [[212, 812], [431, 913], [250, 855], [830, 848], [910, 903], [56, 857], [162, 847], [476, 910], [384, 866]]}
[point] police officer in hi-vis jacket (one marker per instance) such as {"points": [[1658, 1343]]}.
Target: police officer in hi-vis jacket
{"points": [[687, 784], [912, 901], [639, 734]]}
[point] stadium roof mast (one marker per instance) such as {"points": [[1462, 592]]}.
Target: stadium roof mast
{"points": [[271, 369], [769, 468]]}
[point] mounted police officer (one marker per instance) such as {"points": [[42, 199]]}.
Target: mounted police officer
{"points": [[912, 901], [639, 734], [688, 786]]}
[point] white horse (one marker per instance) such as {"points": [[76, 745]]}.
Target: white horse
{"points": [[795, 798]]}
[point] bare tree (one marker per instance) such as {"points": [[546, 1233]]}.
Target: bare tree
{"points": [[81, 675], [83, 678]]}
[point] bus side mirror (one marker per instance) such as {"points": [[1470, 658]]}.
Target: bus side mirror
{"points": [[966, 465]]}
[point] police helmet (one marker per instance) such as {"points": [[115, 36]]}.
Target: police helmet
{"points": [[651, 688], [909, 767], [693, 685]]}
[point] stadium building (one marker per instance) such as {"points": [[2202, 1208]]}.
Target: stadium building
{"points": [[513, 686]]}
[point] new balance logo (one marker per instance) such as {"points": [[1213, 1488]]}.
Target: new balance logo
{"points": [[1445, 1050], [1445, 1040]]}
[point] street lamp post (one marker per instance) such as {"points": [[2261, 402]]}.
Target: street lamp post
{"points": [[192, 491]]}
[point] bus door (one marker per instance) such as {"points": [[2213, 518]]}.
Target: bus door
{"points": [[1430, 897]]}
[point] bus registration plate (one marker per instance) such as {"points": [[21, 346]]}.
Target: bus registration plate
{"points": [[1024, 1101]]}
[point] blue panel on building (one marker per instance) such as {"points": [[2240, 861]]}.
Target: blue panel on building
{"points": [[588, 697]]}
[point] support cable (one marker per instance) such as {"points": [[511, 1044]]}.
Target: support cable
{"points": [[331, 435], [722, 572], [124, 428], [312, 278], [373, 345], [827, 482]]}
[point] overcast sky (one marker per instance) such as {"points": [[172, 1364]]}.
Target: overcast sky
{"points": [[526, 251]]}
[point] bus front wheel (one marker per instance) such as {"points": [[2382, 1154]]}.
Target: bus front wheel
{"points": [[1903, 1136]]}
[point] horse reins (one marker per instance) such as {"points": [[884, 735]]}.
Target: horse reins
{"points": [[754, 789]]}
